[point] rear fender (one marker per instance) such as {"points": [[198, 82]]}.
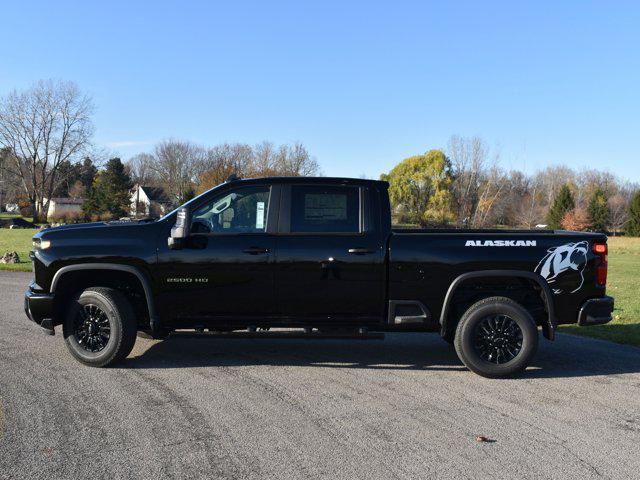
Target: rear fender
{"points": [[548, 328]]}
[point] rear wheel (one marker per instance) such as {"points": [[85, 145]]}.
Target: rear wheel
{"points": [[100, 327], [496, 337]]}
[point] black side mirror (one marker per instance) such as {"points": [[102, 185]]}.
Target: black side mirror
{"points": [[180, 231]]}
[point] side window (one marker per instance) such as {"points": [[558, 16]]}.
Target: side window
{"points": [[241, 211], [325, 209]]}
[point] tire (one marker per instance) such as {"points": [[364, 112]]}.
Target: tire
{"points": [[107, 312], [477, 348]]}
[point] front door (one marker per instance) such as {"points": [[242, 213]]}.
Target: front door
{"points": [[225, 272], [330, 262]]}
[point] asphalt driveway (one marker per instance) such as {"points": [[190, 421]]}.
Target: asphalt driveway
{"points": [[403, 407]]}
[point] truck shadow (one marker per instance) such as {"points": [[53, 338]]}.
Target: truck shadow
{"points": [[568, 356]]}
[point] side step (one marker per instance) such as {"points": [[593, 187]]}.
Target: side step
{"points": [[297, 334]]}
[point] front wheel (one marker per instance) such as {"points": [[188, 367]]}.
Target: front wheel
{"points": [[496, 337], [100, 327]]}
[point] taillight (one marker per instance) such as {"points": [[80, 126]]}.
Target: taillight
{"points": [[600, 249]]}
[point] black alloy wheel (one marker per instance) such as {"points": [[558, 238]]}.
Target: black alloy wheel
{"points": [[100, 326], [92, 328], [498, 339]]}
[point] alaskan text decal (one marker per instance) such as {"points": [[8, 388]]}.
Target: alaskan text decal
{"points": [[500, 243]]}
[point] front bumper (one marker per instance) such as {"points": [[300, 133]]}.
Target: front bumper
{"points": [[39, 308], [596, 311]]}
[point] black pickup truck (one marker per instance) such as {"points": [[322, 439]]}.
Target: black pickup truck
{"points": [[318, 254]]}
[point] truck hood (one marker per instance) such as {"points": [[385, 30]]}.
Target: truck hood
{"points": [[100, 241], [101, 234], [80, 228]]}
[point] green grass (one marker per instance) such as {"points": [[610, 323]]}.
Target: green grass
{"points": [[18, 240], [623, 284], [14, 215]]}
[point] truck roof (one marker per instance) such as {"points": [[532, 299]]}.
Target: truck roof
{"points": [[312, 180]]}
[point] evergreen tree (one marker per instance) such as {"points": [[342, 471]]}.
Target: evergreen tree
{"points": [[110, 192], [68, 173], [633, 225], [94, 204], [88, 172], [598, 211], [117, 188], [562, 204]]}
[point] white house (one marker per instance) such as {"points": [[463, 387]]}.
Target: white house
{"points": [[148, 201], [62, 206]]}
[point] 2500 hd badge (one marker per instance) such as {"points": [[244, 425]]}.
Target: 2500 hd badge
{"points": [[187, 280]]}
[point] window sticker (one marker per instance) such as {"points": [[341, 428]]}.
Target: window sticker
{"points": [[260, 215], [323, 206]]}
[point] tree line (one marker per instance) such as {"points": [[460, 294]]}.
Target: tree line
{"points": [[464, 186], [46, 151], [184, 169]]}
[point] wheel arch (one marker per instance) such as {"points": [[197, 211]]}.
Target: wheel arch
{"points": [[548, 327], [142, 278]]}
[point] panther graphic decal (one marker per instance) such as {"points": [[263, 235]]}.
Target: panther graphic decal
{"points": [[563, 266]]}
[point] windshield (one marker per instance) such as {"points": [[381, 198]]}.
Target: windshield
{"points": [[193, 200]]}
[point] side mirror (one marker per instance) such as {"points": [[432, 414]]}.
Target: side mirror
{"points": [[180, 231]]}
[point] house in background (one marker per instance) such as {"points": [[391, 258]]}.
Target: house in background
{"points": [[148, 201], [64, 206]]}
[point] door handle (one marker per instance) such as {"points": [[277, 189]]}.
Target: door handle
{"points": [[360, 251], [255, 250]]}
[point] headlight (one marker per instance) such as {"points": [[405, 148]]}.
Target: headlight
{"points": [[40, 244]]}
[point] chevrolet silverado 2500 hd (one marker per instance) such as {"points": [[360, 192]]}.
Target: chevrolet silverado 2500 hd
{"points": [[313, 253]]}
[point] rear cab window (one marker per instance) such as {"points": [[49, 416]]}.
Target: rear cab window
{"points": [[325, 209]]}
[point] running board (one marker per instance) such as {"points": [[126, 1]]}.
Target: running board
{"points": [[281, 334]]}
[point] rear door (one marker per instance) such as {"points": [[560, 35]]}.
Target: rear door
{"points": [[330, 257]]}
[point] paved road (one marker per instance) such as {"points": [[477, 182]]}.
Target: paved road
{"points": [[399, 408]]}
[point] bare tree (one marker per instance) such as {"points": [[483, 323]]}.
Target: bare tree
{"points": [[221, 162], [468, 159], [9, 184], [551, 181], [178, 164], [530, 208], [619, 208], [493, 187], [263, 160], [141, 169], [588, 181], [295, 161], [43, 127], [285, 160]]}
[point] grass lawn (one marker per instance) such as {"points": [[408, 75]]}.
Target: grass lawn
{"points": [[623, 284], [18, 240], [14, 215]]}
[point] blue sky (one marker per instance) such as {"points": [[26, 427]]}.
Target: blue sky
{"points": [[362, 85]]}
